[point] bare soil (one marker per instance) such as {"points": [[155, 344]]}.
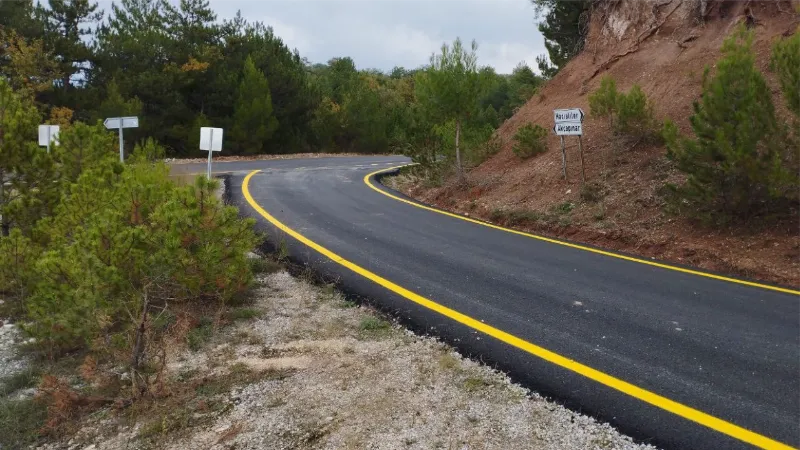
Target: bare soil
{"points": [[319, 372], [663, 46]]}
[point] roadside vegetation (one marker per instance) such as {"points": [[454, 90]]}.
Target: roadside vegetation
{"points": [[102, 264], [743, 161], [179, 68]]}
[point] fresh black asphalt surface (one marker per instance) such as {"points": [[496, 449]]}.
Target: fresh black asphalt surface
{"points": [[728, 350]]}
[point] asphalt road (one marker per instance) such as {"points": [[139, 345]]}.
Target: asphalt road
{"points": [[727, 351]]}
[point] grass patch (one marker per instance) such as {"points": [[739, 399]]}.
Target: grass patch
{"points": [[347, 304], [374, 325], [25, 379], [562, 208], [474, 383], [244, 314], [265, 266], [20, 422], [200, 334]]}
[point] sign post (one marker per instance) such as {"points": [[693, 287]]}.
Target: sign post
{"points": [[569, 122], [210, 140], [120, 123], [48, 134]]}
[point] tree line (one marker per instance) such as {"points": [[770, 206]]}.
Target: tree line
{"points": [[178, 67]]}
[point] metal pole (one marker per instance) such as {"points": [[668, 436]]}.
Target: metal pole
{"points": [[563, 158], [121, 155], [210, 147], [583, 170], [48, 138]]}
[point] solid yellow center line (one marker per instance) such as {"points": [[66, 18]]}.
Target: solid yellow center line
{"points": [[603, 378]]}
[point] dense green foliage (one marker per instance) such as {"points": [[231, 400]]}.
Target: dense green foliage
{"points": [[740, 161], [564, 26], [179, 68], [92, 248], [530, 140]]}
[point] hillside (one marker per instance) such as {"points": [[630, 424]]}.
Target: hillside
{"points": [[664, 47]]}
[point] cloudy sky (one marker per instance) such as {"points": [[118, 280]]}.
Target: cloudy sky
{"points": [[382, 34]]}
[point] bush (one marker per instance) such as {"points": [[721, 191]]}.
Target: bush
{"points": [[603, 101], [736, 164], [635, 114], [127, 235], [632, 110], [786, 63], [530, 140]]}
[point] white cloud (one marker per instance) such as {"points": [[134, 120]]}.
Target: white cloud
{"points": [[386, 33]]}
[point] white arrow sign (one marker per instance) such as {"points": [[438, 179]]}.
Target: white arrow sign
{"points": [[119, 123], [113, 123], [569, 129], [568, 115], [48, 134]]}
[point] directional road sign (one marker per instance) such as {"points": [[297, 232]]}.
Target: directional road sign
{"points": [[569, 129], [113, 123], [568, 115], [120, 123]]}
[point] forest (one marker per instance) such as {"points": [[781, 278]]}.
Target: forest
{"points": [[179, 67]]}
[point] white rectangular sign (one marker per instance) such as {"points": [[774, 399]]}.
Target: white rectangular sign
{"points": [[569, 129], [48, 134], [568, 115], [113, 123], [211, 139]]}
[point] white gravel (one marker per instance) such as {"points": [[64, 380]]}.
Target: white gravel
{"points": [[10, 361], [347, 387], [382, 390]]}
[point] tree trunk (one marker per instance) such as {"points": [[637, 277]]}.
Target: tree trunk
{"points": [[3, 218], [139, 382], [458, 150]]}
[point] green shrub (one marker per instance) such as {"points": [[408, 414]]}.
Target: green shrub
{"points": [[21, 422], [200, 334], [635, 114], [530, 140], [786, 63], [603, 101], [736, 163], [126, 234], [632, 110]]}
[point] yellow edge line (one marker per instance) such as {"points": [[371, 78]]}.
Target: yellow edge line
{"points": [[579, 247], [664, 403]]}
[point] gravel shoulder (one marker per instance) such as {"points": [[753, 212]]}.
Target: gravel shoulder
{"points": [[325, 373]]}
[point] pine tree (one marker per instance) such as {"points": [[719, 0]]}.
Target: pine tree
{"points": [[452, 86], [21, 160], [65, 29], [254, 121], [565, 26], [734, 163]]}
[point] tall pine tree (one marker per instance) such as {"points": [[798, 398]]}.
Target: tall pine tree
{"points": [[253, 120]]}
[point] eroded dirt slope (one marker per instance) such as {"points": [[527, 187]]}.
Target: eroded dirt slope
{"points": [[663, 46]]}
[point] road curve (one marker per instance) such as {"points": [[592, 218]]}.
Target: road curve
{"points": [[672, 358]]}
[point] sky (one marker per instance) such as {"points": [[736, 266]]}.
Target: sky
{"points": [[382, 34]]}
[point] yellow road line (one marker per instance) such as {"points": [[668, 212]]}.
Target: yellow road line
{"points": [[644, 395], [567, 244]]}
